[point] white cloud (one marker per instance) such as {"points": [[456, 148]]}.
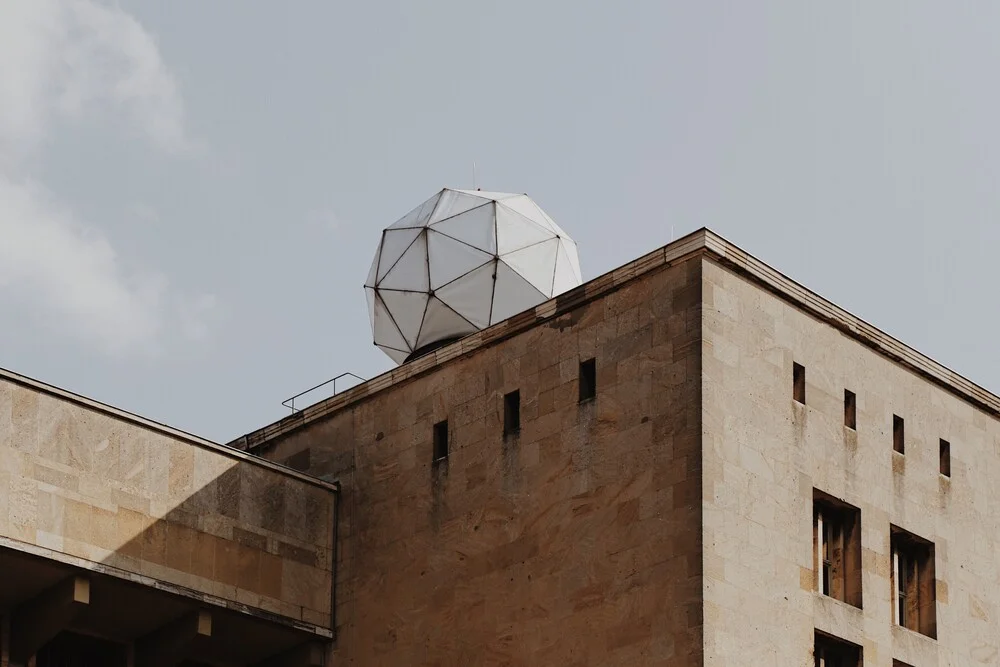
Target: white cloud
{"points": [[74, 58], [77, 60], [74, 270]]}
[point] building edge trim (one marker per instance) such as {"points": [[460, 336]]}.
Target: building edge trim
{"points": [[702, 242], [675, 253], [790, 291], [189, 438]]}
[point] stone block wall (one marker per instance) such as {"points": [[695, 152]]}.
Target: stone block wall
{"points": [[575, 542], [764, 454], [79, 482]]}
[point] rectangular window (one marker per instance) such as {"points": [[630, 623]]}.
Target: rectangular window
{"points": [[829, 651], [913, 585], [900, 663], [512, 413], [837, 542], [588, 380], [440, 441], [850, 410], [944, 457], [898, 443], [799, 383]]}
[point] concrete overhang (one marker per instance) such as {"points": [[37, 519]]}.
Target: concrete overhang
{"points": [[117, 527]]}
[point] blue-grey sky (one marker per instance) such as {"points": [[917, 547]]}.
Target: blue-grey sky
{"points": [[191, 192]]}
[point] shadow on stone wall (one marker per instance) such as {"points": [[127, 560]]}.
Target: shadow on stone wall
{"points": [[172, 535]]}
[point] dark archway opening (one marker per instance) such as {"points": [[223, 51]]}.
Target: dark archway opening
{"points": [[69, 649]]}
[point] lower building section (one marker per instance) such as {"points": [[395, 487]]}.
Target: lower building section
{"points": [[57, 615]]}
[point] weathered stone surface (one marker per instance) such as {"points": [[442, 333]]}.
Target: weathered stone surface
{"points": [[576, 542], [96, 486], [764, 454]]}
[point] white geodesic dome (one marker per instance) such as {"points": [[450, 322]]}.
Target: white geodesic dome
{"points": [[461, 261]]}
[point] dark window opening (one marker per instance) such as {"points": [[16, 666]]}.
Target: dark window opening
{"points": [[900, 663], [837, 546], [441, 441], [850, 410], [588, 380], [799, 383], [898, 443], [944, 457], [914, 597], [512, 413], [832, 652]]}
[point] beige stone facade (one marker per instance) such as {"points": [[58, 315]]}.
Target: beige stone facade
{"points": [[575, 542], [446, 553], [764, 454], [87, 491], [733, 476]]}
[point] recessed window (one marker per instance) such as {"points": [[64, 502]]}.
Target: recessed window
{"points": [[441, 441], [914, 598], [837, 544], [799, 383], [588, 380], [512, 413], [833, 652], [850, 410], [944, 457], [898, 439], [900, 663]]}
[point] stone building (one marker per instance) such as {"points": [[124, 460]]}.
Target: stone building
{"points": [[691, 460]]}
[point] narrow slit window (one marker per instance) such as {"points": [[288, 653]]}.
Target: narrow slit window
{"points": [[850, 410], [799, 383], [441, 441], [898, 438], [512, 413], [944, 457], [588, 380]]}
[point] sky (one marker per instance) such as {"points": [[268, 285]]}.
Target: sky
{"points": [[191, 193]]}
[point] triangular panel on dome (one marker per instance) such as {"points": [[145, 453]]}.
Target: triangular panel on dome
{"points": [[399, 356], [565, 278], [418, 216], [394, 244], [552, 223], [410, 271], [386, 332], [514, 231], [370, 295], [526, 207], [495, 196], [407, 310], [471, 295], [569, 246], [441, 323], [536, 263], [452, 203], [476, 227], [373, 271], [512, 294], [450, 259]]}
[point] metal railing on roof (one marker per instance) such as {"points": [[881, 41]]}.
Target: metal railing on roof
{"points": [[290, 402]]}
